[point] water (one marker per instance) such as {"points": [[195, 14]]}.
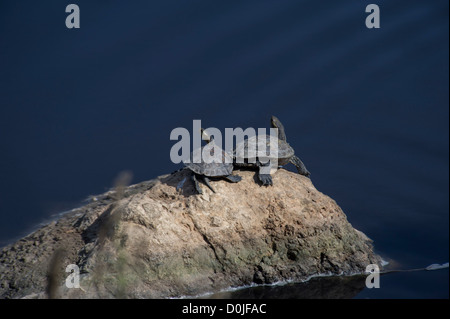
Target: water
{"points": [[366, 110]]}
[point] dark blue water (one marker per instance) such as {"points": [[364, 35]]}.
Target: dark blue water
{"points": [[366, 110]]}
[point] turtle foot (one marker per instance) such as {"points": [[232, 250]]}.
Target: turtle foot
{"points": [[265, 179], [233, 178], [196, 185], [206, 180]]}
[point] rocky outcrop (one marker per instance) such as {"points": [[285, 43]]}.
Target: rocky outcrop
{"points": [[151, 240]]}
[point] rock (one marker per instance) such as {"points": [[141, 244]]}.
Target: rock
{"points": [[156, 242]]}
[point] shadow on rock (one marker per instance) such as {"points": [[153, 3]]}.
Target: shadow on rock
{"points": [[181, 181]]}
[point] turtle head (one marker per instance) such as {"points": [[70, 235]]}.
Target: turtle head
{"points": [[276, 123], [205, 136]]}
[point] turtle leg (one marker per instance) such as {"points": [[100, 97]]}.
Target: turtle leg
{"points": [[301, 168], [266, 179], [196, 185], [180, 184], [206, 180], [264, 173], [233, 178]]}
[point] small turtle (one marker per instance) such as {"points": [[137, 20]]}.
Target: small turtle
{"points": [[284, 156], [204, 170]]}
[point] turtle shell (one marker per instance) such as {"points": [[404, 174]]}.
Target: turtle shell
{"points": [[249, 147], [221, 166]]}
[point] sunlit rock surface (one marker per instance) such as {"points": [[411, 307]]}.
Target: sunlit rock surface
{"points": [[151, 240]]}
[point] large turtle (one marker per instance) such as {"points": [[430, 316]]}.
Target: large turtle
{"points": [[285, 154], [204, 170]]}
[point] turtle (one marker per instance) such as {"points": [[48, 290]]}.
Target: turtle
{"points": [[285, 154], [204, 170]]}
